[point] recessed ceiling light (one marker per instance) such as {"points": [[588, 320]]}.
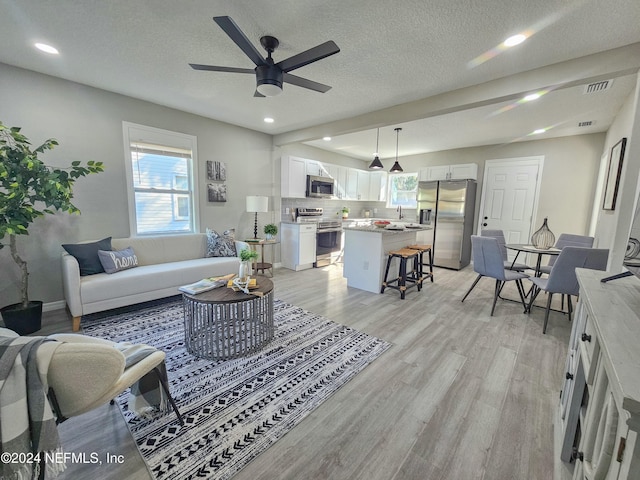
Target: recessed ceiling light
{"points": [[514, 40], [47, 48], [268, 120], [531, 97], [326, 139], [538, 131]]}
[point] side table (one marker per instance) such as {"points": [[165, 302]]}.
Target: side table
{"points": [[223, 324], [263, 265]]}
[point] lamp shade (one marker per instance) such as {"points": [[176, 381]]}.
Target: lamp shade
{"points": [[257, 203]]}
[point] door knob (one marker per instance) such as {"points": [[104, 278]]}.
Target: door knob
{"points": [[484, 224]]}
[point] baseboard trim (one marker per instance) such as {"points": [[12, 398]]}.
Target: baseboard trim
{"points": [[51, 306]]}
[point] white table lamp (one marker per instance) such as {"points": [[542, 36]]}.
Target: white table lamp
{"points": [[257, 204]]}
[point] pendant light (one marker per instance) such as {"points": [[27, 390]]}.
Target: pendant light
{"points": [[376, 164], [396, 166]]}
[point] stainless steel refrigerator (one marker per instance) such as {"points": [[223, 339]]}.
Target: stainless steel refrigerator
{"points": [[448, 206]]}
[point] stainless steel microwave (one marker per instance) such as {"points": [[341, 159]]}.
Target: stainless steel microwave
{"points": [[320, 186]]}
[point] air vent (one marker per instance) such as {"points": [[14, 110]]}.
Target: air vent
{"points": [[588, 123], [598, 86]]}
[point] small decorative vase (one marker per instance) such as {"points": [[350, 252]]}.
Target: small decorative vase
{"points": [[543, 238], [245, 270], [269, 236], [345, 215]]}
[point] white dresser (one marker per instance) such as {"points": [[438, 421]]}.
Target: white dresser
{"points": [[598, 417]]}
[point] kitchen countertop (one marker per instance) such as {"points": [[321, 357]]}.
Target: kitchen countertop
{"points": [[374, 229]]}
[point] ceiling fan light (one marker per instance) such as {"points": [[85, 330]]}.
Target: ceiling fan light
{"points": [[376, 164], [269, 89]]}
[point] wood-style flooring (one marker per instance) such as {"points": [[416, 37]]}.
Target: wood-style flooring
{"points": [[461, 395]]}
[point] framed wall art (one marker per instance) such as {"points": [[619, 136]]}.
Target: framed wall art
{"points": [[217, 192], [613, 175], [216, 171]]}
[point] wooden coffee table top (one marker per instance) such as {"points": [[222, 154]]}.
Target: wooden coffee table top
{"points": [[228, 295]]}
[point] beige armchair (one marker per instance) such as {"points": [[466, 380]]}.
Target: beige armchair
{"points": [[86, 372]]}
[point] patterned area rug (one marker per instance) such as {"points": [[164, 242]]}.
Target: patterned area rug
{"points": [[234, 410]]}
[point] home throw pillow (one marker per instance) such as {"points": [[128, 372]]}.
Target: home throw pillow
{"points": [[87, 255], [116, 260], [221, 245]]}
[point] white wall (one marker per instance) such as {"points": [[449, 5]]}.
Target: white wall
{"points": [[612, 229], [87, 123], [568, 178]]}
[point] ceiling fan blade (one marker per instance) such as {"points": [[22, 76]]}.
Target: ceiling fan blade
{"points": [[230, 28], [305, 83], [308, 56], [212, 68], [258, 94]]}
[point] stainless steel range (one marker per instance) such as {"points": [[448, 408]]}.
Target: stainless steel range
{"points": [[328, 236]]}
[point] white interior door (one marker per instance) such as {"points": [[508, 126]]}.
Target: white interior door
{"points": [[509, 196]]}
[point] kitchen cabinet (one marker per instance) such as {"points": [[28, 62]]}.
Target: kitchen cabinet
{"points": [[350, 183], [351, 186], [293, 177], [317, 169], [599, 410], [449, 172], [298, 245], [363, 183], [378, 186]]}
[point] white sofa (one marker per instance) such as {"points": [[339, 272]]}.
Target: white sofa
{"points": [[165, 263]]}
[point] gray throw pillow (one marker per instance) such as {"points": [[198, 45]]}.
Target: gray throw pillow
{"points": [[87, 255], [221, 245], [117, 260]]}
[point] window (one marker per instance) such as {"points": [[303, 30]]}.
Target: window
{"points": [[181, 203], [403, 188], [161, 181]]}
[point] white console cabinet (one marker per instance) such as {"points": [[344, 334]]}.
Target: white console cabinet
{"points": [[298, 245], [598, 418]]}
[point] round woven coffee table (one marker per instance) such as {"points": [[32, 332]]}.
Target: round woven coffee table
{"points": [[222, 324]]}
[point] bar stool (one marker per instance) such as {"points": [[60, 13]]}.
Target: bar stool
{"points": [[422, 249], [413, 277]]}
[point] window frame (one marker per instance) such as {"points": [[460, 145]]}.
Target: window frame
{"points": [[133, 133], [390, 177]]}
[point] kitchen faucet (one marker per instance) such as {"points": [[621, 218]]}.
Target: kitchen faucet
{"points": [[399, 210]]}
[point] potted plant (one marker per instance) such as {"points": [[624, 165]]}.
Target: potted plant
{"points": [[270, 230], [344, 211], [30, 189], [247, 257]]}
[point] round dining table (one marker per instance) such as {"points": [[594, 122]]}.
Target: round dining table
{"points": [[521, 247]]}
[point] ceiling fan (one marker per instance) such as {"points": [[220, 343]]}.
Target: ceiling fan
{"points": [[270, 75]]}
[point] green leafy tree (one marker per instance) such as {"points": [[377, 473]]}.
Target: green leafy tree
{"points": [[30, 189]]}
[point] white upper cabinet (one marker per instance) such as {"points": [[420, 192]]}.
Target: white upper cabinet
{"points": [[351, 188], [350, 183], [449, 172], [293, 177], [363, 185], [378, 186], [315, 168]]}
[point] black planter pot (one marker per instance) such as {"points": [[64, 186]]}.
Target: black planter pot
{"points": [[23, 321]]}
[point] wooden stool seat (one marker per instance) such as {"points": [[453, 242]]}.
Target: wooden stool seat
{"points": [[413, 278], [422, 249]]}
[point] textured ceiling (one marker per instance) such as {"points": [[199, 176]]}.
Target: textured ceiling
{"points": [[391, 53]]}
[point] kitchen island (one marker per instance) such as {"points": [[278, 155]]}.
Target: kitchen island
{"points": [[365, 253]]}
